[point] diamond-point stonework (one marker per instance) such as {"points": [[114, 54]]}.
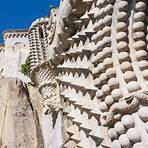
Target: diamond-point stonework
{"points": [[89, 62]]}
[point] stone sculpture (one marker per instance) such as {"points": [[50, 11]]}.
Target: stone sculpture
{"points": [[89, 60]]}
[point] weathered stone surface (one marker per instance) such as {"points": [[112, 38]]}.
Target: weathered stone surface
{"points": [[19, 121], [89, 62], [99, 53]]}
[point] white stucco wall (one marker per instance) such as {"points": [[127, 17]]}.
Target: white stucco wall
{"points": [[15, 54], [52, 132]]}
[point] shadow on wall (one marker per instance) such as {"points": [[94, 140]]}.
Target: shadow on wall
{"points": [[54, 118]]}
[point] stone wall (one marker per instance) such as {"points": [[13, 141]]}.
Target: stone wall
{"points": [[19, 116], [99, 51], [89, 63], [15, 53]]}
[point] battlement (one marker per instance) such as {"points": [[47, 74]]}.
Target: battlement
{"points": [[18, 33], [2, 46]]}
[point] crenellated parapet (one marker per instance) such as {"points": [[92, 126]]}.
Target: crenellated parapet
{"points": [[2, 47], [15, 33], [15, 40]]}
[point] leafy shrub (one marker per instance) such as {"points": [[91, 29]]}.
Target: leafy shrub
{"points": [[25, 68]]}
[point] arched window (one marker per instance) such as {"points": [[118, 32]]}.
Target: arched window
{"points": [[41, 32], [18, 45]]}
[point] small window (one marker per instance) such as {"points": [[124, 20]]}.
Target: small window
{"points": [[18, 45], [41, 32]]}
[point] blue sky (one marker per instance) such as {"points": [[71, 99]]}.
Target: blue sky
{"points": [[19, 14]]}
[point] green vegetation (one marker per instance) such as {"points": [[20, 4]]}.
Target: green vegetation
{"points": [[25, 68]]}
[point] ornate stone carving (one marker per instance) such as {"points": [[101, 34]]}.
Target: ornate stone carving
{"points": [[125, 106], [102, 77], [44, 75], [52, 25]]}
